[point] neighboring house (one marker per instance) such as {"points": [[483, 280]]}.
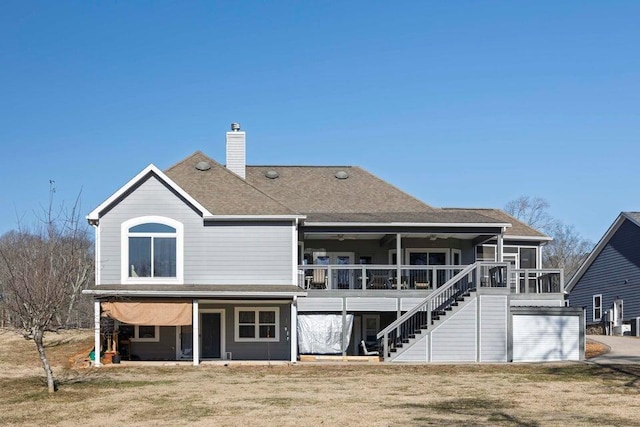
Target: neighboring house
{"points": [[607, 284], [269, 262]]}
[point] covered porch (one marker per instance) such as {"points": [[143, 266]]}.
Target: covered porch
{"points": [[213, 324]]}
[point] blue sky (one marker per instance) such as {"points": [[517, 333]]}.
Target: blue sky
{"points": [[464, 104]]}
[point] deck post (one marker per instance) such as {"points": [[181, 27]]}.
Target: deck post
{"points": [[344, 326], [293, 333], [500, 240], [96, 333], [399, 260], [196, 334]]}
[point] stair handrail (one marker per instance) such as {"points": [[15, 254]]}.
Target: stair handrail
{"points": [[426, 301]]}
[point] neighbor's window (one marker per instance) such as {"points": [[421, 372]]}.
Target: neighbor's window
{"points": [[257, 323], [597, 307]]}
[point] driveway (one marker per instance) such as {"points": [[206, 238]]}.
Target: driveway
{"points": [[623, 349]]}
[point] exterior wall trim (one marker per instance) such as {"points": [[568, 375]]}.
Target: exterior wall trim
{"points": [[94, 216]]}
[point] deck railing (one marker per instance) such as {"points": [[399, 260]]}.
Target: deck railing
{"points": [[428, 278], [375, 277], [537, 281]]}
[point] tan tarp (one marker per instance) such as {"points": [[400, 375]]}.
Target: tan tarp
{"points": [[149, 313]]}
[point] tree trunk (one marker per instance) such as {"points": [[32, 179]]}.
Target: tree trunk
{"points": [[38, 336]]}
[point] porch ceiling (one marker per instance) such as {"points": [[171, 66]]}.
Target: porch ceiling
{"points": [[379, 236]]}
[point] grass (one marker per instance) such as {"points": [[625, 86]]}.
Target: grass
{"points": [[311, 394]]}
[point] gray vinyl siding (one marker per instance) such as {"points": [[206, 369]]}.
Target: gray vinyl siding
{"points": [[372, 304], [455, 339], [493, 328], [165, 349], [280, 350], [216, 253], [417, 352], [306, 304], [619, 261]]}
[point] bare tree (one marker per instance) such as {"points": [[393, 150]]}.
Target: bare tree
{"points": [[568, 248], [531, 210], [41, 268]]}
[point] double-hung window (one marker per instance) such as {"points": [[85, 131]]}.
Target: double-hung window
{"points": [[152, 250], [257, 323], [597, 308]]}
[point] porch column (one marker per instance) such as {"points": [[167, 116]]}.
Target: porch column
{"points": [[344, 326], [196, 334], [96, 333], [293, 333], [500, 239], [399, 260]]}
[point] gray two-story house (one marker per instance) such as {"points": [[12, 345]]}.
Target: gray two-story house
{"points": [[204, 262]]}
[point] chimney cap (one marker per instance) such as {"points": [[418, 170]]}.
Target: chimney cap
{"points": [[235, 127]]}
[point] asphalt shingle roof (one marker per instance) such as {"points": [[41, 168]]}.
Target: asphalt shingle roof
{"points": [[316, 192], [221, 191]]}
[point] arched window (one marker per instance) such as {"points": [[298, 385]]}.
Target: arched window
{"points": [[152, 249]]}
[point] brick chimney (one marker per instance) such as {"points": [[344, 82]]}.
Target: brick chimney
{"points": [[236, 152]]}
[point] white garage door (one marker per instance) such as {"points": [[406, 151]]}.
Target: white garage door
{"points": [[545, 338]]}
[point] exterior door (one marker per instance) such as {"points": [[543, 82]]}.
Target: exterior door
{"points": [[341, 278], [370, 328], [210, 325], [429, 257], [516, 279], [617, 312]]}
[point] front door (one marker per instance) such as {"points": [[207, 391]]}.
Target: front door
{"points": [[210, 325]]}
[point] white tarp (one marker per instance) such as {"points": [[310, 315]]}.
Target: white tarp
{"points": [[322, 333]]}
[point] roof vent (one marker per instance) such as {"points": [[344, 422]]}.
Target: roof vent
{"points": [[271, 174], [235, 127], [203, 166], [342, 175]]}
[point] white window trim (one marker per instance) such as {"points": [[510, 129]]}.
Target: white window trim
{"points": [[136, 334], [124, 251], [597, 319], [257, 338], [446, 251], [537, 248], [453, 253]]}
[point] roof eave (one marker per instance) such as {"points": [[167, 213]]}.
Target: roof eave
{"points": [[253, 217], [94, 215], [406, 224], [190, 294], [597, 249]]}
